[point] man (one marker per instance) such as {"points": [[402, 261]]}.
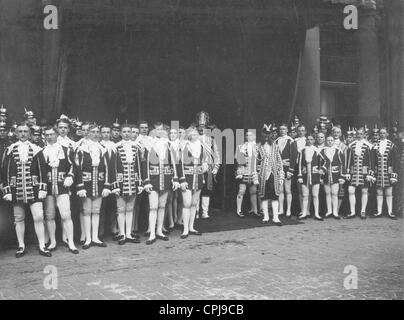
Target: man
{"points": [[29, 118], [203, 126], [271, 175], [342, 147], [159, 177], [127, 182], [300, 143], [24, 183], [108, 206], [246, 173], [289, 154], [63, 129], [36, 136], [3, 114], [116, 132], [359, 172], [77, 132], [320, 141], [60, 173], [135, 132], [386, 171]]}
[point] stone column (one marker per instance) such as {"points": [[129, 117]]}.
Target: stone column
{"points": [[368, 71]]}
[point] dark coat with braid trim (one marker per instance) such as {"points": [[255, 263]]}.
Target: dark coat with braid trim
{"points": [[359, 166], [334, 169], [125, 175], [309, 171], [386, 164], [23, 180]]}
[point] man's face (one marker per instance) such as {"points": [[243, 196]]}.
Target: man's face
{"points": [[310, 140], [360, 134], [22, 133], [293, 133], [115, 133], [50, 136], [320, 138], [126, 133], [94, 134], [274, 135], [36, 138], [283, 131], [159, 131], [85, 129], [181, 133], [173, 134], [383, 134], [336, 132], [135, 133], [3, 134], [376, 136], [330, 141], [201, 129], [301, 131], [106, 134], [63, 129], [250, 137], [144, 129]]}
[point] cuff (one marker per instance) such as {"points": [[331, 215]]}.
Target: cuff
{"points": [[7, 190], [393, 175], [182, 180], [42, 186]]}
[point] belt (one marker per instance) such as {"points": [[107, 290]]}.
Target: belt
{"points": [[193, 170], [155, 170]]}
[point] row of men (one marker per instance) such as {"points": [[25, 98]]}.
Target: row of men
{"points": [[91, 169], [314, 160]]}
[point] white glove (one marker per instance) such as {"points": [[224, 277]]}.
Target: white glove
{"points": [[116, 192], [68, 182], [82, 193], [393, 180], [42, 194], [184, 186], [214, 171], [148, 188], [289, 175], [348, 177], [8, 197], [239, 177], [300, 180], [205, 167], [281, 182], [176, 185], [369, 178], [105, 193], [341, 181], [140, 189]]}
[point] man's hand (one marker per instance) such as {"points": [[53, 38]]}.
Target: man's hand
{"points": [[148, 188], [341, 181], [184, 186], [176, 185], [42, 194], [214, 171], [300, 180], [105, 193], [8, 197], [140, 189], [239, 177], [393, 180], [68, 182], [289, 175], [347, 177], [82, 193]]}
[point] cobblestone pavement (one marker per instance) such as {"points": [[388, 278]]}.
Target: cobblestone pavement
{"points": [[291, 262]]}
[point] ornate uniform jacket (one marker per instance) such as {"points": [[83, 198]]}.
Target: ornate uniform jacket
{"points": [[210, 146], [386, 162], [125, 166], [359, 163], [92, 169], [309, 166], [4, 144], [246, 160], [24, 172], [194, 158], [288, 151], [269, 162], [158, 166], [332, 163], [59, 165]]}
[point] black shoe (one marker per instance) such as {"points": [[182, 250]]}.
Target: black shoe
{"points": [[318, 219], [99, 244], [240, 214], [74, 251], [121, 241], [195, 233], [44, 253], [51, 249], [184, 236], [278, 223], [164, 238], [135, 235], [377, 215], [116, 236], [86, 246], [150, 241], [336, 217], [82, 242], [265, 221], [363, 215], [132, 240], [392, 216], [350, 216], [166, 231], [20, 252], [301, 217]]}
